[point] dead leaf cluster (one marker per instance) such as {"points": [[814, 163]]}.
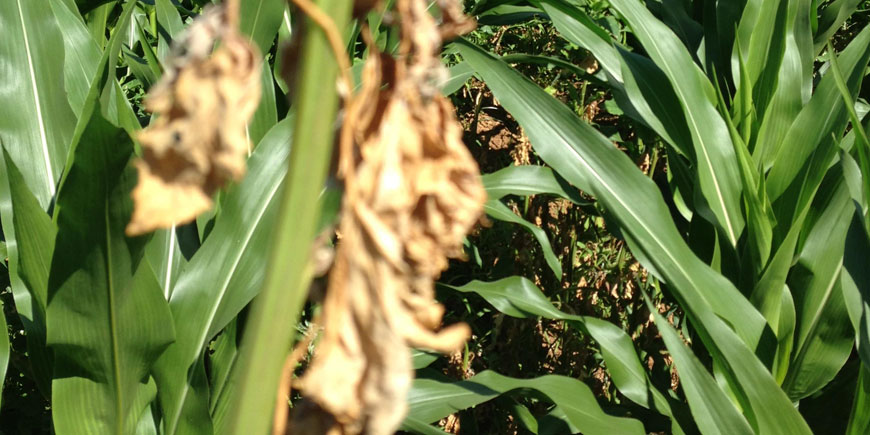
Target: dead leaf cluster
{"points": [[198, 140], [412, 192]]}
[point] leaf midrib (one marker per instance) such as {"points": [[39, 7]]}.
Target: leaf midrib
{"points": [[113, 325], [695, 127], [167, 279], [39, 117]]}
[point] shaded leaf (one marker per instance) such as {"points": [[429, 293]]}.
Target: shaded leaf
{"points": [[220, 280], [635, 203], [859, 420], [169, 26], [529, 180], [519, 297], [496, 210], [4, 352], [107, 319], [431, 400], [824, 337], [29, 234]]}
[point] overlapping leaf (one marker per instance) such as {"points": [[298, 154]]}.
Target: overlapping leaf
{"points": [[587, 160], [220, 280], [717, 169], [496, 210], [107, 320], [430, 400], [519, 297], [29, 234]]}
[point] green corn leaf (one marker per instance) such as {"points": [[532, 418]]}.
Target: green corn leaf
{"points": [[650, 93], [529, 180], [81, 65], [169, 26], [641, 94], [459, 74], [784, 93], [430, 400], [260, 19], [82, 54], [498, 211], [107, 320], [713, 411], [4, 353], [29, 234], [266, 115], [36, 130], [128, 32], [221, 278], [775, 39], [754, 38], [88, 5], [140, 68], [222, 362], [824, 337], [420, 427], [855, 281], [717, 169], [168, 252], [602, 170], [769, 294], [720, 25], [284, 32], [675, 15], [150, 56], [519, 297], [859, 420], [597, 167], [422, 358], [810, 147], [760, 219], [574, 25], [831, 19], [862, 142], [507, 14], [551, 61], [96, 20]]}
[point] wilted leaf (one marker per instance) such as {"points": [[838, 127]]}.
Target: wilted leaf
{"points": [[198, 141], [412, 191]]}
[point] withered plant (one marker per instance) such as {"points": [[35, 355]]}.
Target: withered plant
{"points": [[411, 193], [203, 104]]}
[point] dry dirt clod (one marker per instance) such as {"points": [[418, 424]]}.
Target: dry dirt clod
{"points": [[412, 192], [199, 140]]}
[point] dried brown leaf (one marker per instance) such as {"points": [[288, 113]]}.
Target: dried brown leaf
{"points": [[198, 141], [412, 192]]}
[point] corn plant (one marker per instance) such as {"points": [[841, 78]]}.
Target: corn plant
{"points": [[753, 110], [761, 234], [98, 307]]}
